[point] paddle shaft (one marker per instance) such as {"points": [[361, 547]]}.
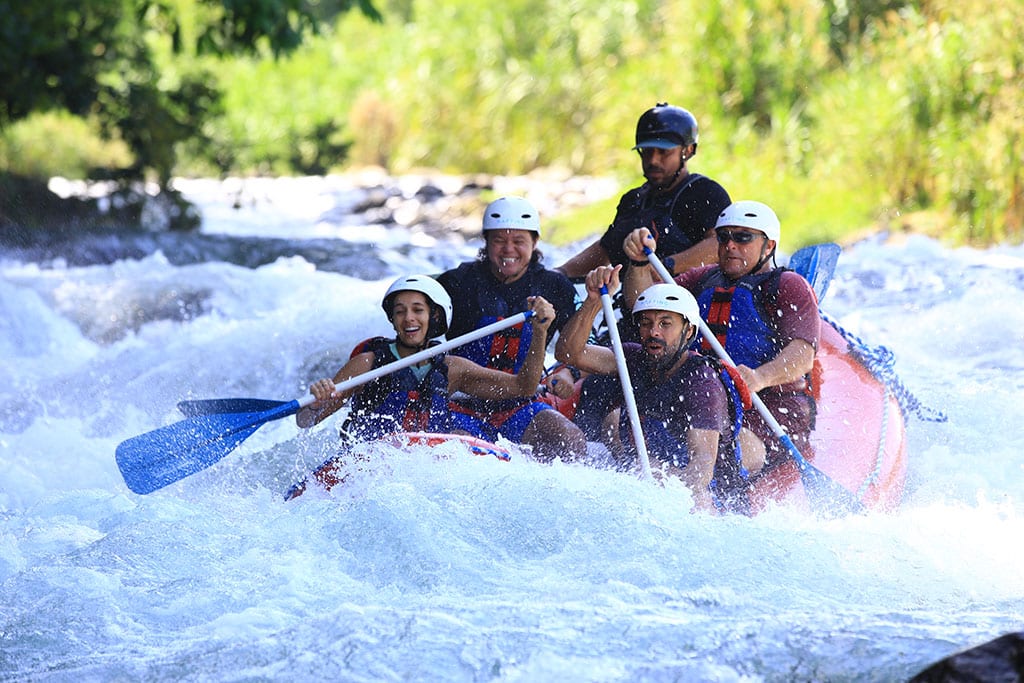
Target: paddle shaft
{"points": [[627, 385], [167, 454], [423, 355]]}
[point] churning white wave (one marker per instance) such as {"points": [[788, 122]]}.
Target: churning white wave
{"points": [[469, 568]]}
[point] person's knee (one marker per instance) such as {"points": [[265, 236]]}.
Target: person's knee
{"points": [[752, 450], [552, 435]]}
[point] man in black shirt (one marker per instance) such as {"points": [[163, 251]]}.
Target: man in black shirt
{"points": [[678, 206]]}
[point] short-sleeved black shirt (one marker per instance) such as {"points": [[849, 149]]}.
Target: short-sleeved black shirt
{"points": [[678, 218], [477, 294]]}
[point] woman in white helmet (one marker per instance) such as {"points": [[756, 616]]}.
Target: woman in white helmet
{"points": [[507, 272], [766, 317], [416, 398], [687, 408]]}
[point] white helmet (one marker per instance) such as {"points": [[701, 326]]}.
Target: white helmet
{"points": [[753, 215], [511, 213], [668, 297], [435, 293]]}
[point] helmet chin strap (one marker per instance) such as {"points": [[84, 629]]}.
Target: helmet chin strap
{"points": [[675, 176], [760, 264], [770, 256], [660, 368]]}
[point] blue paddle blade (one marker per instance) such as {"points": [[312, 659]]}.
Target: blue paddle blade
{"points": [[817, 263], [211, 406], [163, 456], [827, 497]]}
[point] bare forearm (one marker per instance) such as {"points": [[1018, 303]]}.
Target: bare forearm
{"points": [[328, 399], [572, 347], [585, 261], [700, 254], [532, 370], [792, 363], [318, 412], [638, 278], [574, 335]]}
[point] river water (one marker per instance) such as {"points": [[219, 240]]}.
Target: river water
{"points": [[467, 569]]}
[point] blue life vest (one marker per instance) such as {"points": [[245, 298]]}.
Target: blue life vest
{"points": [[402, 400], [505, 350], [657, 405], [479, 299], [665, 435], [736, 314]]}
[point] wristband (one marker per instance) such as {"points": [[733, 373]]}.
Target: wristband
{"points": [[639, 263]]}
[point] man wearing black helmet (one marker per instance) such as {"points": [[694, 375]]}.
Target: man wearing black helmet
{"points": [[678, 207]]}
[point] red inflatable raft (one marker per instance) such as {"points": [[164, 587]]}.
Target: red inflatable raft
{"points": [[334, 471], [859, 437]]}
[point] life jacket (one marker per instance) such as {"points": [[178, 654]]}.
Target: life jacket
{"points": [[729, 479], [737, 313], [483, 301], [401, 400], [655, 211], [508, 348], [651, 397]]}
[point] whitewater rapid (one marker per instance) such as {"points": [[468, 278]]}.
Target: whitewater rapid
{"points": [[466, 569]]}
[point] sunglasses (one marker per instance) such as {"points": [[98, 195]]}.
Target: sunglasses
{"points": [[724, 236], [650, 152]]}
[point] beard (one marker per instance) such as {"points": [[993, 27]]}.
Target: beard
{"points": [[657, 365]]}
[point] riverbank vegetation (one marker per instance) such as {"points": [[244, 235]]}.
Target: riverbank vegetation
{"points": [[846, 117]]}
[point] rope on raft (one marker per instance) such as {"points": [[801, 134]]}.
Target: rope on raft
{"points": [[880, 362]]}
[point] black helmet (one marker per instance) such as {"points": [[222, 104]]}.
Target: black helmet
{"points": [[666, 126]]}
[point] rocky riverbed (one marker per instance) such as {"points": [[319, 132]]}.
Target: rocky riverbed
{"points": [[438, 205]]}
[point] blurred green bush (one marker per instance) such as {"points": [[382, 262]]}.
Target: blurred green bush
{"points": [[844, 116]]}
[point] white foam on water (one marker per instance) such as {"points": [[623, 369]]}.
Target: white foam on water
{"points": [[468, 568]]}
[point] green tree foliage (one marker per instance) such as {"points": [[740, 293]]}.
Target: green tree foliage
{"points": [[841, 114], [96, 58]]}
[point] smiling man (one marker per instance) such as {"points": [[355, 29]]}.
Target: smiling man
{"points": [[766, 317], [498, 284]]}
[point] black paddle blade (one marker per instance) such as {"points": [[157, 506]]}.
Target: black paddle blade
{"points": [[163, 456], [211, 406]]}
